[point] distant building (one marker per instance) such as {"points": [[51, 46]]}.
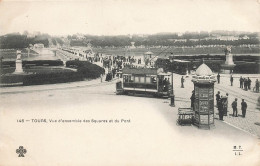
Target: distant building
{"points": [[38, 46], [180, 34], [224, 38], [180, 40], [80, 36], [244, 37], [30, 35], [229, 38], [194, 40]]}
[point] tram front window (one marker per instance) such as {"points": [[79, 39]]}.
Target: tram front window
{"points": [[131, 79], [153, 79], [164, 83], [127, 78]]}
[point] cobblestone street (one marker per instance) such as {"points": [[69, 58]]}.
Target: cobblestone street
{"points": [[252, 115]]}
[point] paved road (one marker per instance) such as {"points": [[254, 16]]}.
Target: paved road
{"points": [[151, 137], [252, 116]]}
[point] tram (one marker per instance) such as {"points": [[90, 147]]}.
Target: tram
{"points": [[145, 81]]}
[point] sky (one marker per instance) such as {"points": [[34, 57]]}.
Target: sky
{"points": [[122, 17]]}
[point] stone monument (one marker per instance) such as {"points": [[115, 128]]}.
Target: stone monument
{"points": [[229, 64], [18, 63]]}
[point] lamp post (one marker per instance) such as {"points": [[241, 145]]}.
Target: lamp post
{"points": [[172, 96]]}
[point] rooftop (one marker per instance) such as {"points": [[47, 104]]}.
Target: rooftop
{"points": [[149, 71], [203, 70]]}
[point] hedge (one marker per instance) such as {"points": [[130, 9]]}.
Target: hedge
{"points": [[87, 69], [51, 78], [8, 79], [42, 62], [36, 63]]}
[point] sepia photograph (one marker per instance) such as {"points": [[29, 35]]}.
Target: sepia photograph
{"points": [[129, 82]]}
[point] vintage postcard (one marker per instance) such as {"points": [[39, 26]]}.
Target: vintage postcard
{"points": [[129, 82]]}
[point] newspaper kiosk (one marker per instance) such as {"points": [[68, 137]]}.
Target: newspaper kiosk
{"points": [[204, 97]]}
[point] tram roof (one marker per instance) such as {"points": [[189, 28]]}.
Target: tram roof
{"points": [[149, 71], [182, 61]]}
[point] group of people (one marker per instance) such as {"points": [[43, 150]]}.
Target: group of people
{"points": [[243, 107], [222, 105], [245, 83]]}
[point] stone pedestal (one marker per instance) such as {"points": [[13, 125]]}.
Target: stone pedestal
{"points": [[229, 65], [18, 63], [18, 66]]}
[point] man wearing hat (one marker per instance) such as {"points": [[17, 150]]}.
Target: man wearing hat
{"points": [[243, 107], [192, 99], [221, 108], [234, 106], [217, 97]]}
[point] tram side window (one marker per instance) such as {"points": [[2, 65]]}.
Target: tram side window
{"points": [[142, 80], [148, 80], [136, 79]]}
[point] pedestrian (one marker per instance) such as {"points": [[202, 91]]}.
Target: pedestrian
{"points": [[192, 99], [243, 108], [218, 77], [231, 80], [249, 83], [217, 97], [224, 105], [107, 79], [234, 106], [182, 81], [220, 109], [241, 82], [257, 85], [245, 84], [101, 77]]}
